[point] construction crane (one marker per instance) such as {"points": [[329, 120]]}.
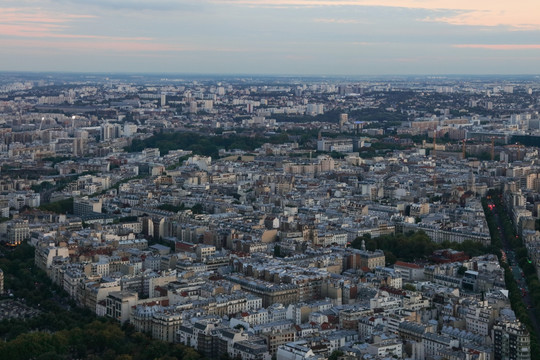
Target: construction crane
{"points": [[433, 156], [518, 151], [492, 148], [434, 142]]}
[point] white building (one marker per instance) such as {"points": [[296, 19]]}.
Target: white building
{"points": [[409, 272], [295, 351], [386, 348]]}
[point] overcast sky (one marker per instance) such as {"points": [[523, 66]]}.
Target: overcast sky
{"points": [[311, 37]]}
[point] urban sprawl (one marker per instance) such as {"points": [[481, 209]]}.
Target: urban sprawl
{"points": [[283, 218]]}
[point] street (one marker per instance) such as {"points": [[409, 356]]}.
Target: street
{"points": [[516, 271]]}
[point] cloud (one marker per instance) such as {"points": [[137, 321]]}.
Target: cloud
{"points": [[298, 57], [91, 46], [514, 19], [499, 46], [367, 43], [50, 31], [42, 31], [519, 15], [13, 14], [139, 5], [337, 21], [127, 47], [36, 23]]}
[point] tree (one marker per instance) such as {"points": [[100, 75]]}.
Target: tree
{"points": [[225, 356], [191, 354], [409, 287], [277, 251], [124, 357], [59, 207], [390, 257], [197, 208], [335, 355]]}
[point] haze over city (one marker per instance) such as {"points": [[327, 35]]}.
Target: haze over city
{"points": [[343, 37]]}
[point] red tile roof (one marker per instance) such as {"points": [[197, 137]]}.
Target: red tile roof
{"points": [[409, 265]]}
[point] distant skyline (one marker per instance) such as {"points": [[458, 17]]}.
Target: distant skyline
{"points": [[296, 37]]}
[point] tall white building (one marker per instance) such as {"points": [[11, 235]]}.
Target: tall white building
{"points": [[129, 130], [163, 100]]}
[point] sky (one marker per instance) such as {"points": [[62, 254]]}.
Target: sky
{"points": [[282, 37]]}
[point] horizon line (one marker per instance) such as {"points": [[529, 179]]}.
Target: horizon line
{"points": [[140, 73]]}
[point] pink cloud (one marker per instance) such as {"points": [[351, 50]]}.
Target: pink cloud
{"points": [[521, 16], [47, 31], [38, 24], [33, 30], [337, 21], [500, 46], [113, 45], [25, 16], [90, 46]]}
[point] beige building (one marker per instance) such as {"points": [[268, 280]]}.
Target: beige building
{"points": [[277, 338], [165, 325], [511, 341], [17, 232], [359, 259], [119, 304], [85, 206]]}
